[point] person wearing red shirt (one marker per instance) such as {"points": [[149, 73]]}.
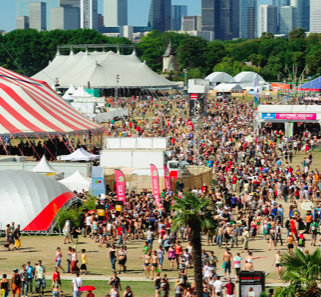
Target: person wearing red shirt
{"points": [[120, 235], [229, 288]]}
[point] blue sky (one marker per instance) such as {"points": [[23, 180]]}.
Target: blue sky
{"points": [[138, 11]]}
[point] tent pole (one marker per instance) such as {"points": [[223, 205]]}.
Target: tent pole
{"points": [[70, 142], [65, 143], [101, 142], [4, 146], [84, 142], [46, 147], [52, 143], [17, 145], [31, 146], [90, 139]]}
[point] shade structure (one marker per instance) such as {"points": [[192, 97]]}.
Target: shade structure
{"points": [[31, 199], [67, 97], [81, 92], [71, 89], [101, 70], [44, 166], [313, 85], [28, 106], [80, 155], [77, 182]]}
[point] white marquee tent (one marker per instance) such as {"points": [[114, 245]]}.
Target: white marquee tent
{"points": [[71, 89], [101, 70], [31, 199], [77, 182], [44, 166], [80, 155]]}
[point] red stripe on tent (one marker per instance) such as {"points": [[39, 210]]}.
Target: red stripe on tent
{"points": [[45, 218], [53, 98]]}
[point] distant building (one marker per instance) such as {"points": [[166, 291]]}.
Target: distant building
{"points": [[288, 19], [278, 4], [100, 21], [248, 19], [303, 13], [65, 18], [192, 23], [126, 31], [315, 16], [22, 22], [89, 14], [208, 35], [37, 16], [169, 60], [159, 17], [236, 18], [178, 12], [267, 19], [115, 13]]}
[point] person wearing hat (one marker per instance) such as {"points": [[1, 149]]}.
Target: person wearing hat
{"points": [[16, 283]]}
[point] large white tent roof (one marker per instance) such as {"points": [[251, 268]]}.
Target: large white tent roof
{"points": [[44, 166], [31, 199], [247, 76], [221, 77], [80, 155], [77, 182], [101, 69]]}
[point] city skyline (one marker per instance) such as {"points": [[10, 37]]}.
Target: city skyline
{"points": [[138, 11]]}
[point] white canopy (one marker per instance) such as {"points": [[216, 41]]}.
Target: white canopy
{"points": [[67, 96], [71, 89], [227, 87], [102, 70], [221, 77], [81, 92], [77, 182], [44, 166], [80, 155]]}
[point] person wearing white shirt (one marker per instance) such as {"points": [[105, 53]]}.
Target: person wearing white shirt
{"points": [[218, 287], [76, 285]]}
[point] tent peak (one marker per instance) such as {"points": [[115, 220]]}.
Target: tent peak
{"points": [[58, 53], [118, 52], [134, 52], [44, 166], [71, 52]]}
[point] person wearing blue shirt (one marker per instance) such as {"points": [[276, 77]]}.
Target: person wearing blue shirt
{"points": [[278, 162], [30, 271], [281, 213], [265, 170], [274, 212]]}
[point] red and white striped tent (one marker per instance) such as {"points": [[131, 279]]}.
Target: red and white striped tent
{"points": [[29, 107]]}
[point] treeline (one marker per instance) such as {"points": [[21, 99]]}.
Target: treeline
{"points": [[268, 56]]}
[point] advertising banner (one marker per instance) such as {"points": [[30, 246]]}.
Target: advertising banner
{"points": [[167, 178], [120, 186], [289, 116], [268, 116], [252, 283], [98, 181], [155, 183]]}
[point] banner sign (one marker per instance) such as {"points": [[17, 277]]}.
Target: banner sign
{"points": [[98, 181], [289, 116], [252, 283], [155, 183], [120, 186], [167, 178]]}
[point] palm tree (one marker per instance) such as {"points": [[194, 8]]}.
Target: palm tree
{"points": [[302, 271], [196, 214]]}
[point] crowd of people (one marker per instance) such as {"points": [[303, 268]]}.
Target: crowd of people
{"points": [[255, 192]]}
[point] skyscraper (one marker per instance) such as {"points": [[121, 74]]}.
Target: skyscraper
{"points": [[315, 16], [156, 17], [288, 19], [23, 7], [115, 13], [65, 18], [178, 11], [22, 22], [248, 19], [89, 14], [192, 23], [217, 17], [278, 4], [168, 15], [37, 16], [267, 19], [303, 13], [236, 18]]}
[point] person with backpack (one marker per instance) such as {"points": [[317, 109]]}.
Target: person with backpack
{"points": [[16, 283], [301, 242]]}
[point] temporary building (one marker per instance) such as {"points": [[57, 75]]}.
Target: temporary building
{"points": [[313, 85], [227, 87], [44, 166], [247, 76], [77, 182], [101, 70], [80, 155], [71, 89], [81, 92], [67, 97], [32, 200], [220, 77], [29, 106]]}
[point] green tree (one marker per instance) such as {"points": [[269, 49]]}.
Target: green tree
{"points": [[314, 61], [216, 52], [298, 33], [302, 272], [196, 214]]}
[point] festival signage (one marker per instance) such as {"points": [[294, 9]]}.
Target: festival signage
{"points": [[120, 186], [98, 186], [252, 283], [289, 116], [155, 183], [167, 178]]}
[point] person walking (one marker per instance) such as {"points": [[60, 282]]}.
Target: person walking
{"points": [[76, 285], [67, 231], [69, 259], [16, 283], [84, 261], [58, 259], [40, 277], [17, 237], [8, 238], [75, 233], [55, 289], [74, 261], [24, 279], [112, 255], [277, 261], [4, 286], [31, 275]]}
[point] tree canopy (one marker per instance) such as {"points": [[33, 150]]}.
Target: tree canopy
{"points": [[29, 51]]}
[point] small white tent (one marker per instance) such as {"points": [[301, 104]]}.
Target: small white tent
{"points": [[80, 155], [71, 90], [81, 92], [67, 96], [44, 166], [77, 182]]}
